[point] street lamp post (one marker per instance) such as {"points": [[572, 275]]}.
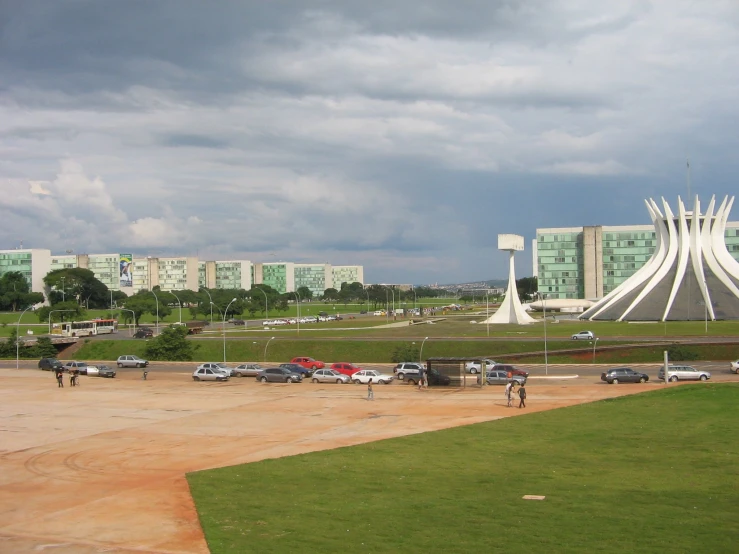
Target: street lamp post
{"points": [[266, 304], [265, 349], [420, 354], [487, 312], [415, 299], [594, 343], [387, 307], [225, 313], [210, 299], [157, 299], [51, 312], [546, 360], [395, 313], [18, 338], [179, 303], [297, 297], [62, 280], [133, 318], [367, 293]]}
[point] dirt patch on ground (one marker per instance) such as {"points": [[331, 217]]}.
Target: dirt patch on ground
{"points": [[101, 467]]}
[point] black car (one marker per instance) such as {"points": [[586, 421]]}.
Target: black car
{"points": [[297, 368], [238, 322], [362, 312], [143, 334], [433, 378], [50, 364], [623, 375]]}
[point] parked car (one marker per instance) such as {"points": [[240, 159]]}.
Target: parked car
{"points": [[297, 368], [143, 333], [279, 375], [131, 361], [476, 367], [684, 373], [500, 377], [329, 376], [512, 369], [364, 376], [362, 312], [99, 370], [408, 368], [623, 375], [308, 363], [735, 366], [345, 368], [50, 364], [209, 374], [75, 365], [239, 322], [220, 366], [433, 377], [583, 335], [380, 312], [246, 370]]}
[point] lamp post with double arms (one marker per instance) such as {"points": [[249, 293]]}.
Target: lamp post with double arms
{"points": [[18, 338], [225, 313], [180, 305], [210, 299], [297, 299]]}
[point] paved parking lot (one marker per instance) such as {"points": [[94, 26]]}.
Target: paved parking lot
{"points": [[101, 467]]}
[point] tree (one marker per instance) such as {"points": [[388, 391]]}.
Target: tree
{"points": [[330, 294], [305, 293], [63, 311], [44, 348], [526, 287], [15, 294], [144, 302], [79, 283], [171, 345]]}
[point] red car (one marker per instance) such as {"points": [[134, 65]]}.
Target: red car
{"points": [[346, 368], [513, 370], [308, 363]]}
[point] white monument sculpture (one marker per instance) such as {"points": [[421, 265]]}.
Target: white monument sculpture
{"points": [[510, 310], [690, 276]]}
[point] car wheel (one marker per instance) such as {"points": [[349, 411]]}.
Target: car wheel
{"points": [[411, 381], [615, 382], [357, 382], [400, 376], [473, 370], [339, 381], [703, 377], [263, 379], [120, 366], [673, 378], [642, 380], [314, 368], [315, 380], [384, 382], [196, 378]]}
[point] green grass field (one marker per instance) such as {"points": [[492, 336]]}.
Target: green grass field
{"points": [[654, 472]]}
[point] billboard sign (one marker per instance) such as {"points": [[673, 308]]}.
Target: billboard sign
{"points": [[126, 269]]}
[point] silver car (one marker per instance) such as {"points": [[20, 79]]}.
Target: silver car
{"points": [[131, 361], [499, 377], [209, 374], [217, 366], [246, 370], [329, 376], [683, 373]]}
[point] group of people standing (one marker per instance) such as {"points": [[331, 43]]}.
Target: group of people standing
{"points": [[510, 393], [74, 377]]}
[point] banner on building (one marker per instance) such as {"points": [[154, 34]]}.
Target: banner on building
{"points": [[126, 267]]}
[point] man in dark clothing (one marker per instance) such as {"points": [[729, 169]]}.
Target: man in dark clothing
{"points": [[522, 396], [59, 378]]}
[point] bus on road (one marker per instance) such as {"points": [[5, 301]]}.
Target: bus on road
{"points": [[85, 328]]}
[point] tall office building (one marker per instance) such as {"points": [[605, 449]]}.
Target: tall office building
{"points": [[316, 277], [346, 274]]}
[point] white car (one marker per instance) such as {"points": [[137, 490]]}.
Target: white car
{"points": [[366, 375], [735, 366], [475, 367], [209, 374], [683, 373], [583, 335], [219, 366]]}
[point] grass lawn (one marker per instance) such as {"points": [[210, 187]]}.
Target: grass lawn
{"points": [[654, 472]]}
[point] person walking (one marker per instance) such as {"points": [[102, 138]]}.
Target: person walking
{"points": [[370, 392], [73, 372], [144, 373], [522, 396], [60, 378], [509, 393]]}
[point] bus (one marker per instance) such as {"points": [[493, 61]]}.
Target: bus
{"points": [[85, 328]]}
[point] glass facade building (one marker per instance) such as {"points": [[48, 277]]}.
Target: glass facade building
{"points": [[313, 276]]}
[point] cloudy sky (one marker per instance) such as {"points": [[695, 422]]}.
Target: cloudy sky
{"points": [[403, 136]]}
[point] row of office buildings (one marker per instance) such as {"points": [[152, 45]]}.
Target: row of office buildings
{"points": [[130, 274]]}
